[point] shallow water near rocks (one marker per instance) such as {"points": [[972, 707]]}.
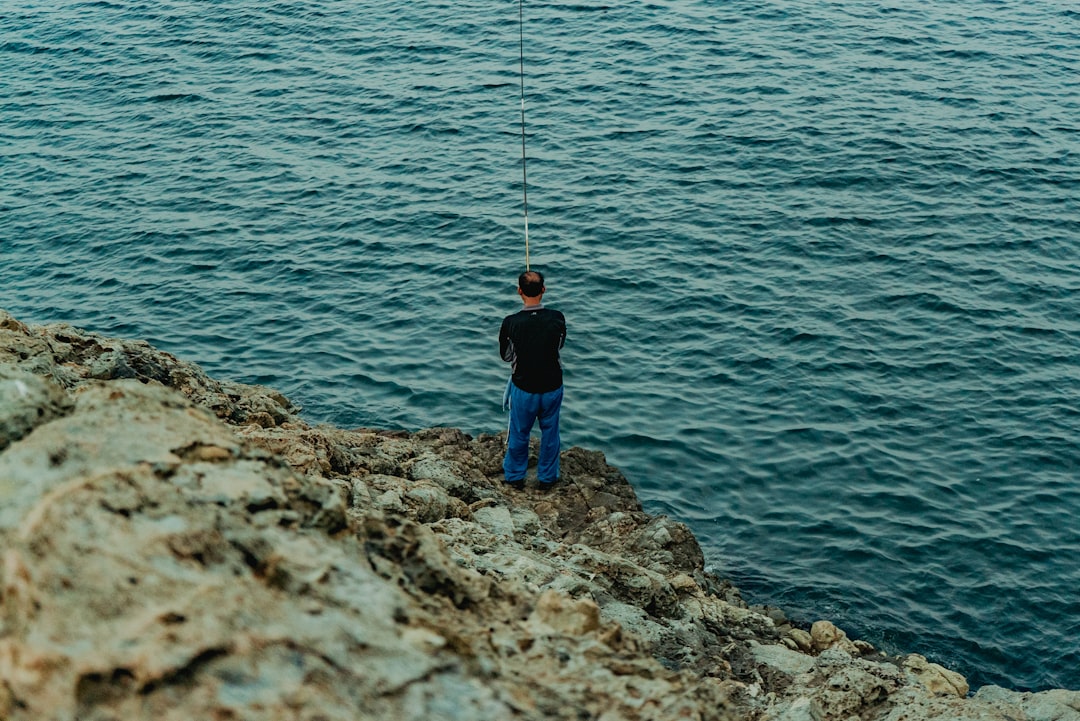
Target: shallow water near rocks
{"points": [[818, 260]]}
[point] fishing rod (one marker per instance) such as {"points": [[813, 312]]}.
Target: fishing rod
{"points": [[524, 187], [524, 175]]}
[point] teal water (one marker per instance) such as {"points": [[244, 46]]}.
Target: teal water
{"points": [[818, 259]]}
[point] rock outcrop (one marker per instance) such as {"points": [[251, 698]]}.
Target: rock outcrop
{"points": [[177, 547]]}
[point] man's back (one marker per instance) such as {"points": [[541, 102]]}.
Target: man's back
{"points": [[531, 339]]}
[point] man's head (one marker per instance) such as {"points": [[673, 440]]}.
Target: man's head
{"points": [[531, 284]]}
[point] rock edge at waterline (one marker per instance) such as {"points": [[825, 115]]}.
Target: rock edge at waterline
{"points": [[178, 547]]}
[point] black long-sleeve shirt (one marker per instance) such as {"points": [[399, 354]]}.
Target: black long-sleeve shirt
{"points": [[530, 339]]}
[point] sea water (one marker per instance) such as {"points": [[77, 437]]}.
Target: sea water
{"points": [[818, 259]]}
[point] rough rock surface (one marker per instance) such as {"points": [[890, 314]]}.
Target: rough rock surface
{"points": [[176, 547]]}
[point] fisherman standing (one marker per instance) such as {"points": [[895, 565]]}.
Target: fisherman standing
{"points": [[530, 340]]}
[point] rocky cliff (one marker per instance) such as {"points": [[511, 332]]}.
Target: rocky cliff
{"points": [[179, 547]]}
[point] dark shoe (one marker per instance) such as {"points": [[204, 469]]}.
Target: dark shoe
{"points": [[545, 486], [516, 485]]}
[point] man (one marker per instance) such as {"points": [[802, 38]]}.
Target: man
{"points": [[530, 340]]}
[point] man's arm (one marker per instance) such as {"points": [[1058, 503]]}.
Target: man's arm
{"points": [[506, 345]]}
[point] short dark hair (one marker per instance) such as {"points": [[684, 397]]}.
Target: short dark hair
{"points": [[531, 283]]}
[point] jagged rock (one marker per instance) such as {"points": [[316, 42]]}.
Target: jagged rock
{"points": [[176, 547], [429, 467], [145, 571], [110, 365], [656, 542], [428, 502], [421, 558], [21, 348], [1054, 705], [850, 691]]}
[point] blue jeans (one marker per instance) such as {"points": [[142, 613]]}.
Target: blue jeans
{"points": [[525, 409]]}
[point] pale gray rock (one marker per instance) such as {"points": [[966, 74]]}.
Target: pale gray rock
{"points": [[782, 659], [110, 365], [798, 709], [526, 523], [27, 401], [430, 467], [427, 502], [636, 621], [1054, 705], [496, 519]]}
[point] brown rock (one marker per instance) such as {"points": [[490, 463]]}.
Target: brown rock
{"points": [[937, 679], [826, 635], [567, 615]]}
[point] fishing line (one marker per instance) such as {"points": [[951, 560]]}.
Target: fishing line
{"points": [[524, 175], [524, 189]]}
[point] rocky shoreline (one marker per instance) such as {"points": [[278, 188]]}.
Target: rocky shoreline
{"points": [[179, 547]]}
